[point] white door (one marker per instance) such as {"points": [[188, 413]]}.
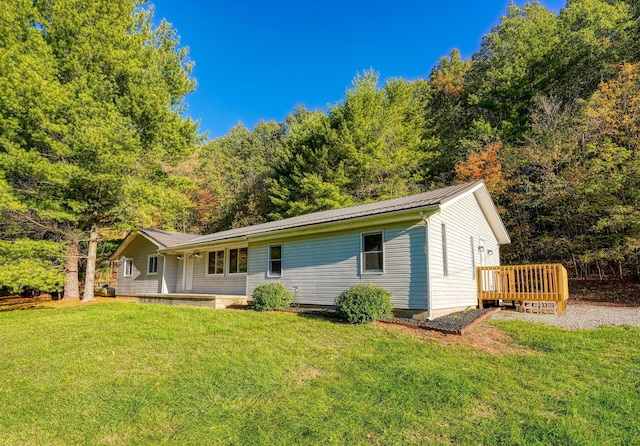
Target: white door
{"points": [[188, 273]]}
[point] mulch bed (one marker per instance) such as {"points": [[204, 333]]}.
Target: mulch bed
{"points": [[457, 323]]}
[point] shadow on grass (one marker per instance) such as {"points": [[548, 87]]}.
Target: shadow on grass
{"points": [[17, 303]]}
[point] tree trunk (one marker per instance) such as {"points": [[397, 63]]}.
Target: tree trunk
{"points": [[71, 285], [89, 280]]}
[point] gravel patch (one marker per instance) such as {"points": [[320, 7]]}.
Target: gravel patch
{"points": [[578, 316]]}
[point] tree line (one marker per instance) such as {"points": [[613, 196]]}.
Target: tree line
{"points": [[93, 139], [547, 112]]}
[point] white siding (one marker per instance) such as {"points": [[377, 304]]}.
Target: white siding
{"points": [[139, 281], [463, 219], [317, 269]]}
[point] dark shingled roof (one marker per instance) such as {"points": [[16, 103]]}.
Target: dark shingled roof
{"points": [[168, 239], [426, 199]]}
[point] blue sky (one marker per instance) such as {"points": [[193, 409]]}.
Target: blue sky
{"points": [[256, 60]]}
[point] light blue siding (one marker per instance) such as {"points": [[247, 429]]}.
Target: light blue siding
{"points": [[233, 284], [463, 219], [139, 282], [317, 269]]}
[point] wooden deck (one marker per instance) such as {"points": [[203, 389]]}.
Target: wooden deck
{"points": [[538, 283], [215, 301]]}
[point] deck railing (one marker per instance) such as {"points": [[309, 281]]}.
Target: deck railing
{"points": [[524, 283]]}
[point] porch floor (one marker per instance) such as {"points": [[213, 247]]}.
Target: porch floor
{"points": [[215, 301]]}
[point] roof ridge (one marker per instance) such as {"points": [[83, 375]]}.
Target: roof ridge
{"points": [[423, 199]]}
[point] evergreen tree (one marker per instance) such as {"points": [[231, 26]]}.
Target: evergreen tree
{"points": [[93, 121]]}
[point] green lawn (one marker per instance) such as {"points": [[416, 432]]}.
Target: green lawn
{"points": [[131, 374]]}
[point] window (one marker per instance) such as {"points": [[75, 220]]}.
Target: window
{"points": [[152, 265], [275, 260], [215, 262], [127, 269], [238, 260], [445, 266], [372, 253]]}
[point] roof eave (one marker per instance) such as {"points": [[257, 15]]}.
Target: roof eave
{"points": [[129, 238], [315, 228]]}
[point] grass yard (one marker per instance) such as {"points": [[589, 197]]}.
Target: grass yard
{"points": [[121, 373]]}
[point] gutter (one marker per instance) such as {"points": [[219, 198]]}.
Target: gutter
{"points": [[308, 229]]}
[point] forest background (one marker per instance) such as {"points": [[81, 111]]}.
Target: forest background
{"points": [[94, 140]]}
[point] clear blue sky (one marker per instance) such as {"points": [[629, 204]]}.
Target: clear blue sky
{"points": [[256, 60]]}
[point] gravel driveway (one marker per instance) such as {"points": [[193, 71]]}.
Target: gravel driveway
{"points": [[579, 316]]}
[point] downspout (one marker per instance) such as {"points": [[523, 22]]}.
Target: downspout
{"points": [[427, 252], [163, 283]]}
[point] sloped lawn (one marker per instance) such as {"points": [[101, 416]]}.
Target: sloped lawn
{"points": [[121, 373]]}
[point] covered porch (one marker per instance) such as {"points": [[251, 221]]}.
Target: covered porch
{"points": [[534, 285]]}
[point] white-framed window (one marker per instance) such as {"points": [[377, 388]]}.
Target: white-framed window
{"points": [[372, 255], [238, 260], [215, 262], [445, 260], [152, 265], [275, 261], [127, 267]]}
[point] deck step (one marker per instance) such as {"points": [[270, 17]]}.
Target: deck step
{"points": [[215, 301]]}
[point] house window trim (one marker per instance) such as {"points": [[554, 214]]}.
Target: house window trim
{"points": [[376, 272], [127, 261], [228, 261], [224, 263], [269, 260]]}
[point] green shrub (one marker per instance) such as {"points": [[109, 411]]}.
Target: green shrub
{"points": [[271, 296], [362, 304]]}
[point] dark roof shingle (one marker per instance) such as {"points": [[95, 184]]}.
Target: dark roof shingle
{"points": [[426, 199]]}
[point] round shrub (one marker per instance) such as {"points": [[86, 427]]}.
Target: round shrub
{"points": [[362, 304], [271, 296]]}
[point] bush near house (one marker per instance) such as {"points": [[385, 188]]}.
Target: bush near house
{"points": [[362, 304], [271, 296]]}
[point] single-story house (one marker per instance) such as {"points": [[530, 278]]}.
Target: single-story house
{"points": [[423, 248]]}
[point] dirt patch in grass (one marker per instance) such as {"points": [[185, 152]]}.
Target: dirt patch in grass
{"points": [[482, 337], [605, 292], [13, 303]]}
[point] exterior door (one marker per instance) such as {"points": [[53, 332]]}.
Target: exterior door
{"points": [[188, 273]]}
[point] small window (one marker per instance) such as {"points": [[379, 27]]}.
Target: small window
{"points": [[215, 262], [275, 260], [152, 265], [372, 253], [238, 260], [445, 266], [127, 269]]}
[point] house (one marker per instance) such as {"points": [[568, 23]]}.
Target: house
{"points": [[424, 249]]}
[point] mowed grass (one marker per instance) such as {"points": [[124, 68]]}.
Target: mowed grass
{"points": [[121, 373]]}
